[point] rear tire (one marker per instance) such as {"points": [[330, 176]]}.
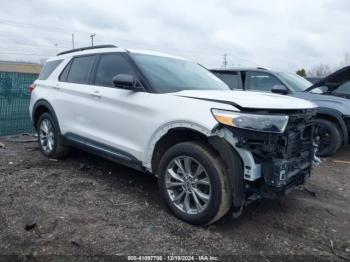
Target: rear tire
{"points": [[194, 171], [49, 138], [329, 137]]}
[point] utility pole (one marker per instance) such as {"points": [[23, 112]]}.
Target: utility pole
{"points": [[92, 39], [72, 41], [224, 61]]}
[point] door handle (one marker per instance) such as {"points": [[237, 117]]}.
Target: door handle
{"points": [[96, 94], [56, 86]]}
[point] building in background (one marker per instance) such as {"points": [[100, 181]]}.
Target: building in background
{"points": [[20, 67], [15, 78]]}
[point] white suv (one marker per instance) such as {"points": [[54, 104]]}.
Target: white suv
{"points": [[211, 148]]}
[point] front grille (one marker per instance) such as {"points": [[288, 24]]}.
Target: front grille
{"points": [[286, 158], [299, 135]]}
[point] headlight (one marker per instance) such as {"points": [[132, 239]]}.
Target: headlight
{"points": [[257, 122]]}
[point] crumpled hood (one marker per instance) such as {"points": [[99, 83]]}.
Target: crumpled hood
{"points": [[248, 99]]}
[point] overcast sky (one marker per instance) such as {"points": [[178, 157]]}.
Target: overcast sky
{"points": [[282, 35]]}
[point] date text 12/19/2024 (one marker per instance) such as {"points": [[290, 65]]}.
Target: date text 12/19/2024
{"points": [[172, 258]]}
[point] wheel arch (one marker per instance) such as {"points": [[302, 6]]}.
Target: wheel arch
{"points": [[43, 106], [335, 117], [181, 133], [170, 135]]}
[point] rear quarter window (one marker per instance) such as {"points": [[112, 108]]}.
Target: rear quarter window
{"points": [[48, 68]]}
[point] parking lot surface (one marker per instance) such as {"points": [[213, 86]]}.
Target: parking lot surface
{"points": [[85, 205]]}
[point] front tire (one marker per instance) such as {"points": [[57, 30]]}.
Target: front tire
{"points": [[49, 137], [194, 183], [329, 137]]}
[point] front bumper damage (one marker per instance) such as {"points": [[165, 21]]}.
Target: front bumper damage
{"points": [[274, 163]]}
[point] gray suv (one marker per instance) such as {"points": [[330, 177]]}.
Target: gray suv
{"points": [[333, 118]]}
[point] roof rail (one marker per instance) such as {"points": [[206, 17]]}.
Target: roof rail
{"points": [[85, 48]]}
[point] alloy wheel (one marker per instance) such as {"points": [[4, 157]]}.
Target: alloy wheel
{"points": [[188, 185], [47, 136]]}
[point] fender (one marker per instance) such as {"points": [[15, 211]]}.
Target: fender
{"points": [[337, 115], [47, 105], [225, 148], [161, 131]]}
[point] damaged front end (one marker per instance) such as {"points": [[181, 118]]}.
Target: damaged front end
{"points": [[274, 163]]}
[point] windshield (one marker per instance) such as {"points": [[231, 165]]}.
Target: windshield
{"points": [[168, 75], [295, 82]]}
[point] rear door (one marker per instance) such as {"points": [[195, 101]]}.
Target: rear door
{"points": [[74, 94], [118, 115]]}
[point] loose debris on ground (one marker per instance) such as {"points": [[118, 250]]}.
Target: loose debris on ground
{"points": [[85, 205]]}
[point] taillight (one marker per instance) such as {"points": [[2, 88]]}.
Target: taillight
{"points": [[32, 87]]}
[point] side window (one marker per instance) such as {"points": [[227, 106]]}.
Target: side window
{"points": [[343, 89], [260, 81], [49, 67], [232, 79], [109, 66], [80, 69], [64, 74]]}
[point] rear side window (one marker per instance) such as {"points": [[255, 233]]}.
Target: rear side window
{"points": [[109, 66], [79, 69], [49, 67], [231, 79]]}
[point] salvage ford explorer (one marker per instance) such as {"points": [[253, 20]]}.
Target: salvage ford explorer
{"points": [[210, 148]]}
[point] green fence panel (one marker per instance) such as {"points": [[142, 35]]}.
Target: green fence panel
{"points": [[14, 103]]}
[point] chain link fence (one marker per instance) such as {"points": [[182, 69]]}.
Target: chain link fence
{"points": [[14, 102]]}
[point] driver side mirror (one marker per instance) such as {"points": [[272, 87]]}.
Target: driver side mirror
{"points": [[280, 89], [126, 82]]}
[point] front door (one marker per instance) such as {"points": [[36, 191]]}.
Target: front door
{"points": [[117, 114]]}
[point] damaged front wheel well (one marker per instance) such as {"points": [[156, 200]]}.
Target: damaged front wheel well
{"points": [[172, 137], [233, 162]]}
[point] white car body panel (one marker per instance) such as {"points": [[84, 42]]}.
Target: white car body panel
{"points": [[134, 121]]}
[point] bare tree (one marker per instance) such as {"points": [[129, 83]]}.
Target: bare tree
{"points": [[320, 70], [323, 70], [346, 60]]}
